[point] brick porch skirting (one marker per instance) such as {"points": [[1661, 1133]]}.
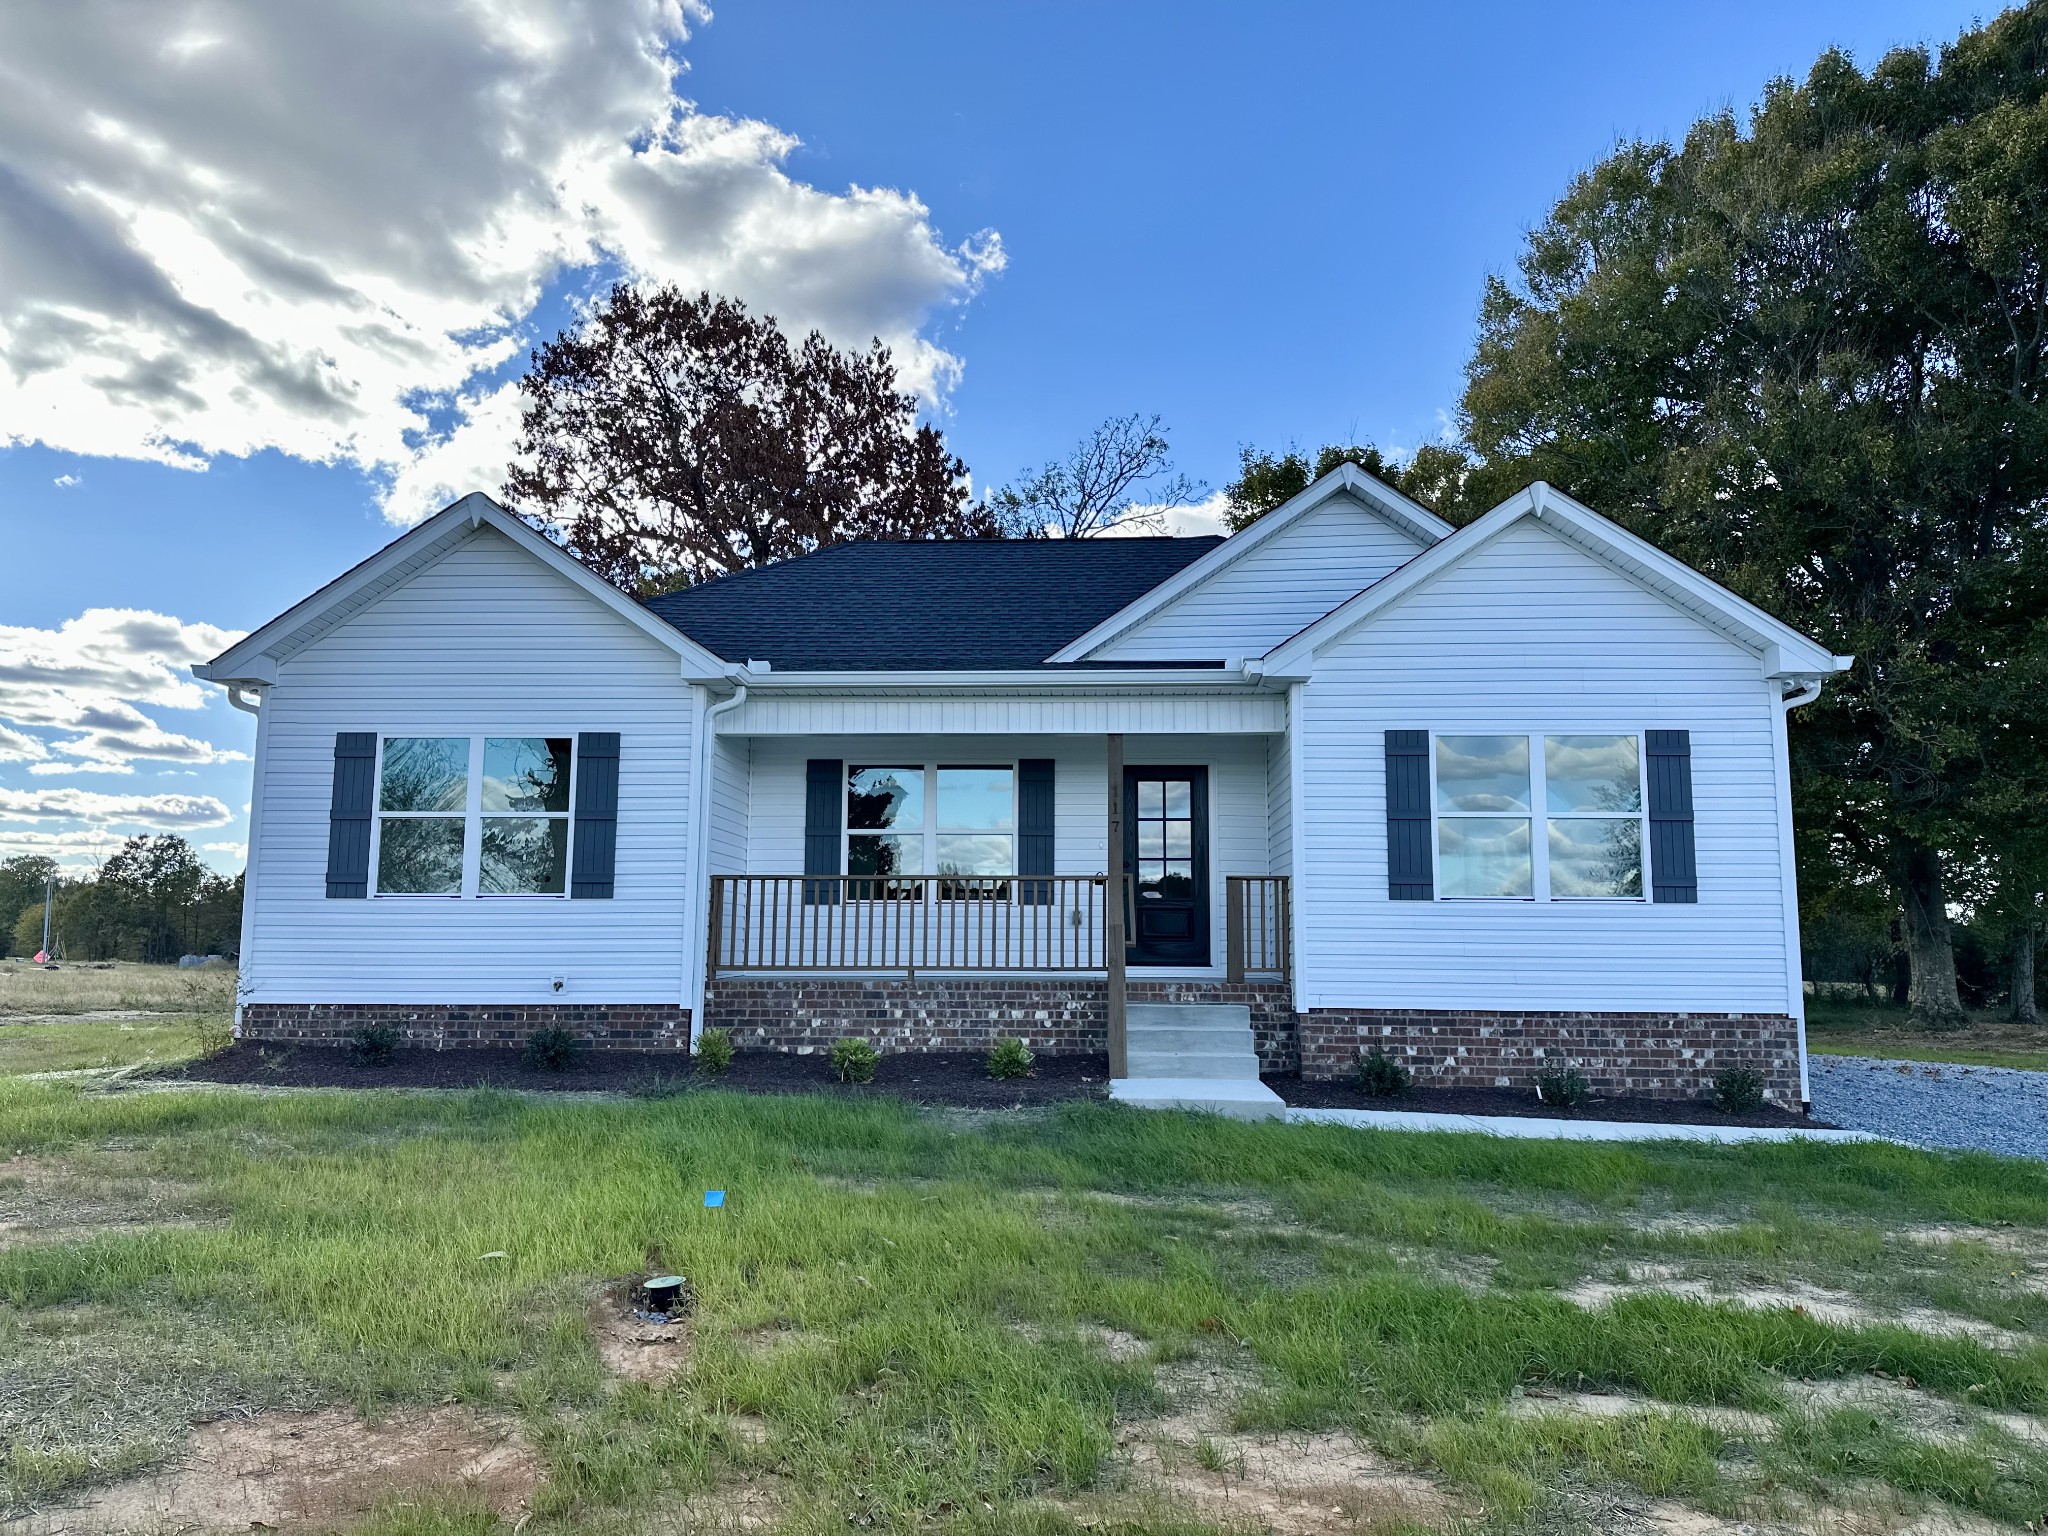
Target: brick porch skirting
{"points": [[602, 1026], [1651, 1055], [1060, 1015]]}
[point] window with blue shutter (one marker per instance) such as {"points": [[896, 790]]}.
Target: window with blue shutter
{"points": [[1674, 873], [594, 870], [348, 814], [824, 794], [1410, 871], [1035, 830]]}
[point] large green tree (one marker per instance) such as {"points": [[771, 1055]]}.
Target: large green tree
{"points": [[1806, 351], [21, 887]]}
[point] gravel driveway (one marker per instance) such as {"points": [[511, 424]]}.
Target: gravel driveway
{"points": [[1981, 1109]]}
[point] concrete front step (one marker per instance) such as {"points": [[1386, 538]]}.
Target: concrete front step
{"points": [[1239, 1098], [1204, 1016], [1146, 1062]]}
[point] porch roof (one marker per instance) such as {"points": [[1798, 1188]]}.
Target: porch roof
{"points": [[932, 605]]}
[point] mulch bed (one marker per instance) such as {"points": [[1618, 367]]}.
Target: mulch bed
{"points": [[1340, 1094], [957, 1079]]}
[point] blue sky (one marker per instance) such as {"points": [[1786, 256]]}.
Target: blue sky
{"points": [[226, 381]]}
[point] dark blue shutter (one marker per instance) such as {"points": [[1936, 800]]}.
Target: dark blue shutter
{"points": [[596, 840], [1411, 874], [348, 814], [1668, 760], [824, 796], [1034, 830]]}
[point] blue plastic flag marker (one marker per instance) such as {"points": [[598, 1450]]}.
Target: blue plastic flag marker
{"points": [[713, 1199]]}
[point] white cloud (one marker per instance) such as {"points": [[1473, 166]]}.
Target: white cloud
{"points": [[228, 225], [65, 482], [88, 676], [1182, 522], [236, 851], [170, 812]]}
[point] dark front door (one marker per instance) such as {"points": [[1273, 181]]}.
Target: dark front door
{"points": [[1166, 849]]}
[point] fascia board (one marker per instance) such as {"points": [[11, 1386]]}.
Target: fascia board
{"points": [[1417, 521], [1008, 682]]}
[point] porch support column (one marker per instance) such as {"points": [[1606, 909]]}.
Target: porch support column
{"points": [[1113, 938]]}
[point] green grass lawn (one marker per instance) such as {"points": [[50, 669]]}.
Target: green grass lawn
{"points": [[1855, 1028], [914, 1322], [94, 1043]]}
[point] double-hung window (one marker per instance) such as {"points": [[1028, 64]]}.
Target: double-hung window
{"points": [[957, 823], [472, 816], [1538, 817]]}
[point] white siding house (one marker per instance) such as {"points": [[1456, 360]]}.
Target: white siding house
{"points": [[1492, 797]]}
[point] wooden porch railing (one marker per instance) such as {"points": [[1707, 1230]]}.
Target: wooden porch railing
{"points": [[1256, 926], [957, 923], [907, 922]]}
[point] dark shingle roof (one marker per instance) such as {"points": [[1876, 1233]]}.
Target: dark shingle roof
{"points": [[928, 605]]}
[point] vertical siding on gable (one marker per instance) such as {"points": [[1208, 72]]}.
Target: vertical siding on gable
{"points": [[1285, 584], [1533, 634], [486, 642], [1239, 820]]}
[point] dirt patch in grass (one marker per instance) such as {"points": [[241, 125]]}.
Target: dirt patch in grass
{"points": [[50, 1200], [1289, 1484], [1833, 1307], [1919, 1413], [633, 1347], [1531, 1402], [307, 1471]]}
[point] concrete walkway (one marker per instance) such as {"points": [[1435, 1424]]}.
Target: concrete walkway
{"points": [[1562, 1130]]}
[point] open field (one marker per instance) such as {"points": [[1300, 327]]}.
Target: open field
{"points": [[398, 1312], [1855, 1028], [109, 986]]}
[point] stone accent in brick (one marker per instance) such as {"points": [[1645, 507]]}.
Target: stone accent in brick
{"points": [[602, 1026], [1652, 1055], [1058, 1015]]}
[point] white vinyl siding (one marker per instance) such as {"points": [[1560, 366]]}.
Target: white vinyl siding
{"points": [[481, 643], [1533, 634], [1282, 586], [991, 713], [1239, 824]]}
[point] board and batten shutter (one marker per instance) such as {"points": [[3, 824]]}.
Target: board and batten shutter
{"points": [[1674, 876], [348, 813], [1035, 830], [594, 869], [1411, 875], [824, 795]]}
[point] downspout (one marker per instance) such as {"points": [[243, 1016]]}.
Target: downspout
{"points": [[700, 852], [1795, 967], [249, 699]]}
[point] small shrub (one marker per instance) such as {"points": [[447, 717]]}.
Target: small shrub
{"points": [[1567, 1090], [1381, 1075], [855, 1061], [1738, 1091], [373, 1044], [549, 1050], [714, 1052], [1009, 1058], [210, 1035]]}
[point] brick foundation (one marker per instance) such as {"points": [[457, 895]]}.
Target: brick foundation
{"points": [[602, 1026], [1057, 1015], [1653, 1055]]}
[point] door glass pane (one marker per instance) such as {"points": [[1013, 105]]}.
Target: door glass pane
{"points": [[878, 799], [523, 855], [886, 853], [976, 799], [1151, 798], [1179, 797], [1151, 839], [1180, 839], [1482, 773], [1484, 856], [973, 853], [1596, 856], [526, 773], [420, 856], [1151, 872], [425, 773], [1179, 880], [1591, 773]]}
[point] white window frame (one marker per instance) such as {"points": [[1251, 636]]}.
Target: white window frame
{"points": [[1540, 817], [472, 817], [931, 831]]}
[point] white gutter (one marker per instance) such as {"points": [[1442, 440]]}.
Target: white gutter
{"points": [[700, 853], [248, 706], [1247, 674]]}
